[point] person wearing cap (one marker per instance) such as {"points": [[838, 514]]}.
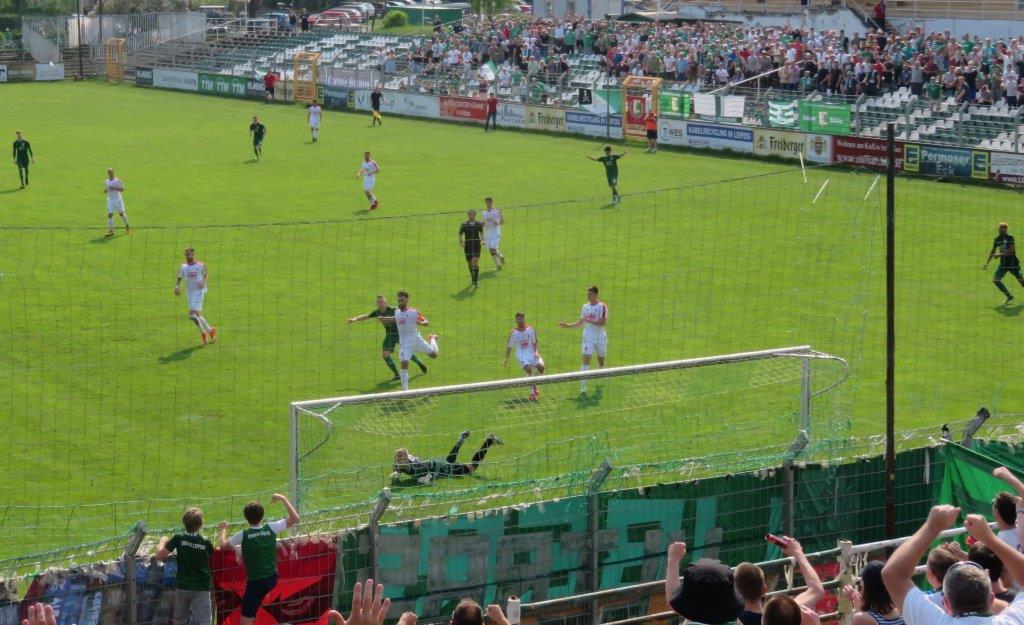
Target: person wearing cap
{"points": [[706, 593], [872, 601], [967, 589], [751, 587]]}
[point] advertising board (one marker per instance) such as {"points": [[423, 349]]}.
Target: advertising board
{"points": [[176, 79], [781, 143], [511, 115], [583, 123], [1007, 168], [463, 109], [945, 161], [719, 137], [144, 76], [544, 118], [220, 84], [864, 152]]}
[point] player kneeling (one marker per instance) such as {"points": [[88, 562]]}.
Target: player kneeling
{"points": [[523, 339]]}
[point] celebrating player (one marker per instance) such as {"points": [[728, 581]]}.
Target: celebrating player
{"points": [[390, 334], [423, 471], [1004, 248], [193, 272], [376, 97], [493, 220], [523, 339], [593, 318], [314, 120], [22, 157], [611, 170], [368, 169], [470, 233], [113, 187], [409, 339], [258, 132]]}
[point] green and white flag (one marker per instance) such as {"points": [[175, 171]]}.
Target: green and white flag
{"points": [[782, 113], [488, 71]]}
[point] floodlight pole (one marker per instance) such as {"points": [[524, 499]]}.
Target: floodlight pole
{"points": [[81, 64], [890, 332]]}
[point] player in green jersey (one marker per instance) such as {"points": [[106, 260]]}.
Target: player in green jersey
{"points": [[193, 583], [258, 544], [611, 170], [1005, 249], [22, 157], [390, 335], [258, 132]]}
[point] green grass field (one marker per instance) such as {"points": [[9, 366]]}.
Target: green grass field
{"points": [[113, 412]]}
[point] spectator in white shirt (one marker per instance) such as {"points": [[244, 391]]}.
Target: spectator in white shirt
{"points": [[1004, 507]]}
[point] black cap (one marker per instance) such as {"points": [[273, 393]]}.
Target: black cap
{"points": [[707, 594]]}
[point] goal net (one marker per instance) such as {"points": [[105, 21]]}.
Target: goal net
{"points": [[646, 420]]}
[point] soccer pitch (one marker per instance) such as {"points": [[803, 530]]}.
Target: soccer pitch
{"points": [[106, 396]]}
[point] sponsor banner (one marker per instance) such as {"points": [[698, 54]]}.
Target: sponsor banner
{"points": [[672, 132], [675, 104], [20, 71], [143, 76], [3, 73], [864, 152], [544, 118], [175, 79], [824, 118], [781, 143], [783, 113], [254, 88], [583, 123], [219, 84], [401, 104], [463, 109], [1007, 168], [350, 78], [336, 97], [49, 71], [511, 115], [943, 161], [737, 138], [819, 149]]}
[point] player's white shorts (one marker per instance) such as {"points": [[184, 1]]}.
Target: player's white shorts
{"points": [[493, 239], [314, 124], [195, 300], [368, 182], [406, 350], [115, 205], [598, 346], [530, 358]]}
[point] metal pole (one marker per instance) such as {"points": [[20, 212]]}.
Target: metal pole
{"points": [[81, 63], [890, 332], [294, 464], [128, 557], [805, 395], [593, 513], [374, 528]]}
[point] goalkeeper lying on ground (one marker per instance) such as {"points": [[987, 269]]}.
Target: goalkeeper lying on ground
{"points": [[423, 471]]}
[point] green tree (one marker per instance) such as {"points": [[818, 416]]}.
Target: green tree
{"points": [[490, 7]]}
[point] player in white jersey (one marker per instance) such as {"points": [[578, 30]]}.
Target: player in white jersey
{"points": [[369, 169], [408, 320], [113, 187], [523, 339], [593, 318], [314, 120], [193, 272], [493, 220]]}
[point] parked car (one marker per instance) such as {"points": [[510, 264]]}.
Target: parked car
{"points": [[364, 7], [281, 17]]}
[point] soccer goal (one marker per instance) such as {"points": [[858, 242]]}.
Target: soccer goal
{"points": [[342, 447]]}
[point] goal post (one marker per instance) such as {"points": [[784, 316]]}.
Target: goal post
{"points": [[705, 405]]}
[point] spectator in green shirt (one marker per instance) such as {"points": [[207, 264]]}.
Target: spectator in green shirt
{"points": [[193, 582], [258, 545]]}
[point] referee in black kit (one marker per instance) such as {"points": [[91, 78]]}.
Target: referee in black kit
{"points": [[471, 233]]}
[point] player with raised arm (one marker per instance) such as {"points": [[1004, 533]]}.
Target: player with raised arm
{"points": [[425, 470], [258, 132], [523, 339], [193, 272], [369, 169], [409, 340], [593, 318], [611, 170], [470, 233], [313, 115], [493, 220], [113, 187], [1005, 249], [390, 334], [22, 157]]}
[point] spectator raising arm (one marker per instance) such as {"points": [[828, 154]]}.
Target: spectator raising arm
{"points": [[369, 607], [676, 553], [1004, 474], [815, 591], [1013, 560], [899, 570], [293, 515]]}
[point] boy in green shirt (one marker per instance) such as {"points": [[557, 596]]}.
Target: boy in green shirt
{"points": [[193, 581], [258, 545]]}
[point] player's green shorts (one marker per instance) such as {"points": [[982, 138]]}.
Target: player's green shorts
{"points": [[1002, 271], [390, 342], [613, 181]]}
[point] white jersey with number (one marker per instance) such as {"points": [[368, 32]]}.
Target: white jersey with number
{"points": [[592, 313], [314, 116], [525, 343], [194, 276], [113, 191], [492, 219], [406, 322]]}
